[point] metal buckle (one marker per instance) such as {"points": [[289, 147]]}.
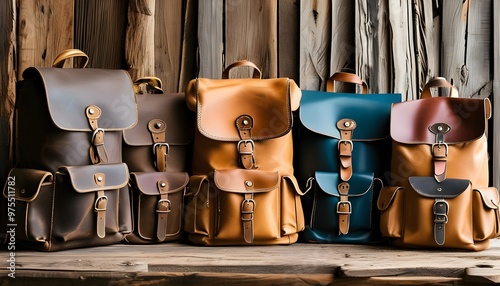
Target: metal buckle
{"points": [[345, 141], [169, 206], [97, 202], [247, 212], [342, 203], [439, 145], [95, 133], [440, 217], [161, 144], [245, 142]]}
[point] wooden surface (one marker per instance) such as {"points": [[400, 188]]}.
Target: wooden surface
{"points": [[297, 264]]}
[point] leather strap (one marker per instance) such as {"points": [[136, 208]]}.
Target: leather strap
{"points": [[158, 128], [344, 209], [347, 78], [246, 146], [439, 150], [438, 83], [67, 54], [100, 205], [242, 63], [247, 215], [97, 150], [440, 210], [163, 208], [345, 147]]}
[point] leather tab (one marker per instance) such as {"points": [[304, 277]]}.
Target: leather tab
{"points": [[97, 150], [440, 210], [246, 145], [158, 128], [346, 127], [344, 208], [163, 208], [247, 216]]}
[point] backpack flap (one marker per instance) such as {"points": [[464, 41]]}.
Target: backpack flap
{"points": [[167, 112], [320, 111], [27, 185], [159, 197], [442, 193], [411, 121], [265, 104], [71, 93]]}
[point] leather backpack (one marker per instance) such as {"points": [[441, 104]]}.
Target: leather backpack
{"points": [[242, 190], [342, 159], [158, 152], [69, 181], [439, 196]]}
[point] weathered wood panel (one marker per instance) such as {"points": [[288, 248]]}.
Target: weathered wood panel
{"points": [[315, 47], [100, 31], [189, 45], [251, 34], [45, 29], [169, 18], [343, 49], [140, 38], [454, 21], [476, 81], [495, 156], [402, 48], [210, 43], [288, 37], [7, 81], [296, 264]]}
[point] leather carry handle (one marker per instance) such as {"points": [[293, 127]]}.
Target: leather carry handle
{"points": [[438, 82], [242, 63], [152, 83], [68, 54], [347, 78]]}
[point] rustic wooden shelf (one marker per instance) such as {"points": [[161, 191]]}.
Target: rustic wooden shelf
{"points": [[297, 264]]}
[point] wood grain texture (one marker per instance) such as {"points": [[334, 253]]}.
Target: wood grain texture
{"points": [[296, 264], [315, 46], [45, 29], [251, 34], [426, 43], [210, 43], [288, 39], [402, 47], [189, 59], [454, 21], [7, 82], [169, 19], [140, 38], [100, 31], [343, 48], [475, 73]]}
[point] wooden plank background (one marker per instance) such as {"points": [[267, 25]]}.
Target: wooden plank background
{"points": [[394, 45]]}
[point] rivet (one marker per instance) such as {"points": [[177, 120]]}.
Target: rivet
{"points": [[440, 128], [439, 189], [23, 191], [347, 124], [163, 185], [91, 111], [248, 183], [99, 179], [245, 122], [157, 125]]}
